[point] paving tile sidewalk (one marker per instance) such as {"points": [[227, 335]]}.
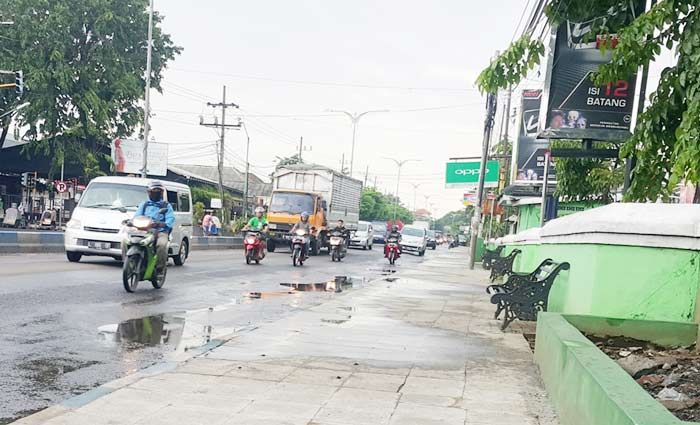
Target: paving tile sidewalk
{"points": [[422, 349]]}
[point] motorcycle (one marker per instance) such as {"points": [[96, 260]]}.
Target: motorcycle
{"points": [[253, 247], [338, 247], [140, 259], [299, 241], [392, 247]]}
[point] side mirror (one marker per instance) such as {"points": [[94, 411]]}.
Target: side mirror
{"points": [[324, 205]]}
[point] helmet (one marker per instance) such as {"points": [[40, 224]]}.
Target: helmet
{"points": [[395, 228], [260, 210], [155, 185], [304, 215]]}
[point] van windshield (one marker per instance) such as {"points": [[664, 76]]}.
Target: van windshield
{"points": [[412, 231], [114, 196], [362, 227], [292, 203]]}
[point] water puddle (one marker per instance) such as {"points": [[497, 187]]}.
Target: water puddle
{"points": [[268, 294], [149, 331], [338, 284], [336, 321], [391, 279], [383, 272]]}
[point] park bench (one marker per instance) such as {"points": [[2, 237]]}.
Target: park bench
{"points": [[501, 266], [523, 295], [490, 255]]}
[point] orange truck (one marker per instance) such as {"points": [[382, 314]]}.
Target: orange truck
{"points": [[324, 193]]}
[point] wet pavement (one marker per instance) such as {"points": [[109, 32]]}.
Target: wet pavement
{"points": [[423, 349], [67, 328]]}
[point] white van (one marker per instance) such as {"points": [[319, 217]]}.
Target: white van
{"points": [[95, 227], [414, 239], [363, 237]]}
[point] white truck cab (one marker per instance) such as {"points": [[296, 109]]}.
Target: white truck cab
{"points": [[95, 227]]}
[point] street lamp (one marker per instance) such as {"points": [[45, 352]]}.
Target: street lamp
{"points": [[147, 100], [247, 170], [355, 118], [398, 180], [415, 195]]}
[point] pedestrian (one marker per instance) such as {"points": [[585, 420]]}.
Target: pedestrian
{"points": [[215, 226], [206, 222]]}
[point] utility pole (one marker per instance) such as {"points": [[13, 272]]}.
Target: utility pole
{"points": [[342, 164], [375, 182], [147, 103], [366, 175], [223, 126], [247, 172], [415, 195], [301, 147], [491, 107], [355, 118]]}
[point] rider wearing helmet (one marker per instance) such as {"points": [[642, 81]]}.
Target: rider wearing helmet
{"points": [[164, 222], [257, 223], [393, 234], [303, 224]]}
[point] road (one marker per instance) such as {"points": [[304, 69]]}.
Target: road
{"points": [[66, 328]]}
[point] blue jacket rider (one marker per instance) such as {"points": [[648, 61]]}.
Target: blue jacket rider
{"points": [[151, 208]]}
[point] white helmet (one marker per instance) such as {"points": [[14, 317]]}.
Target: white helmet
{"points": [[260, 210]]}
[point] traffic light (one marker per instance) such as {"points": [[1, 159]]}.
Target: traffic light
{"points": [[25, 179], [19, 82]]}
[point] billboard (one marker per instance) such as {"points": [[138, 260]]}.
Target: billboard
{"points": [[466, 174], [529, 151], [128, 157], [575, 107]]}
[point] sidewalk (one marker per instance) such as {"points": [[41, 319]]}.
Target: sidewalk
{"points": [[422, 349]]}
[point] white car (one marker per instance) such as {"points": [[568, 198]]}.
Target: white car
{"points": [[95, 227], [414, 239], [363, 236]]}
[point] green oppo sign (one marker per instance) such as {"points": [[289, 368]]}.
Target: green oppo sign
{"points": [[466, 174]]}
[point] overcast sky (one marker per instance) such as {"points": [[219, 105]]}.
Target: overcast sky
{"points": [[286, 63]]}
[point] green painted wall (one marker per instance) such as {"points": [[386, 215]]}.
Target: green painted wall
{"points": [[528, 217], [585, 386], [623, 282]]}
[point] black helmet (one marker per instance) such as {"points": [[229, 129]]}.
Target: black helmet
{"points": [[395, 228]]}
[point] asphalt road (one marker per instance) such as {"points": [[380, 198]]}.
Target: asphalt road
{"points": [[66, 328]]}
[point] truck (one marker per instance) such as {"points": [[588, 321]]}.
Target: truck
{"points": [[422, 224], [327, 195]]}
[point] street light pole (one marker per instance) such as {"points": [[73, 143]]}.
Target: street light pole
{"points": [[147, 103], [399, 164], [415, 195], [355, 118], [247, 172]]}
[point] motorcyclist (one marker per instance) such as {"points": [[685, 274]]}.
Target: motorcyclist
{"points": [[303, 224], [258, 223], [393, 234], [340, 227], [163, 223]]}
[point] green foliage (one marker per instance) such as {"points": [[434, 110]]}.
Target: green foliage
{"points": [[450, 222], [238, 224], [198, 212], [512, 65], [290, 160], [84, 63], [375, 206], [587, 179]]}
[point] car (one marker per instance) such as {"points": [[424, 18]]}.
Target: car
{"points": [[379, 232], [363, 237], [96, 229], [414, 239], [432, 240]]}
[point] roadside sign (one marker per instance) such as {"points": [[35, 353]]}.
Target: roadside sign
{"points": [[215, 203], [469, 199], [61, 187], [466, 174]]}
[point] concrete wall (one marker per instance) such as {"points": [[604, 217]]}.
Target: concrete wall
{"points": [[623, 282]]}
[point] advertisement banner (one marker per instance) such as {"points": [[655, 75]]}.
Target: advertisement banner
{"points": [[466, 174], [529, 151], [128, 157], [575, 107]]}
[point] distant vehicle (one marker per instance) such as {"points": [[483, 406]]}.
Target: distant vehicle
{"points": [[95, 227], [325, 194], [432, 240], [422, 224], [414, 239], [379, 231], [363, 236]]}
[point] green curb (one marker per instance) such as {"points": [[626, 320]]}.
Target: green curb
{"points": [[586, 386]]}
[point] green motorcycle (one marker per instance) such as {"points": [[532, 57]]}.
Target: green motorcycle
{"points": [[140, 258]]}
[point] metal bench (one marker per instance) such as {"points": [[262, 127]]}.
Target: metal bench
{"points": [[490, 255], [501, 266], [522, 296]]}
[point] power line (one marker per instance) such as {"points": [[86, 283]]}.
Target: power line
{"points": [[522, 16]]}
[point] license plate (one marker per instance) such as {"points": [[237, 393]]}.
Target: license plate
{"points": [[99, 245], [272, 226], [335, 241]]}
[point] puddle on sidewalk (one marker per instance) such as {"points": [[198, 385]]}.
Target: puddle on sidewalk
{"points": [[338, 284], [336, 321], [383, 272]]}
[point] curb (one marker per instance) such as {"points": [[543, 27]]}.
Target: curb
{"points": [[52, 242], [585, 385]]}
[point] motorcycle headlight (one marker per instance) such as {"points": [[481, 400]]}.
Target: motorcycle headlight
{"points": [[301, 232], [73, 224], [141, 222]]}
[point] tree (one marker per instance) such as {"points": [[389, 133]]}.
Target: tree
{"points": [[375, 206], [290, 160], [665, 140], [451, 221], [587, 179], [84, 63]]}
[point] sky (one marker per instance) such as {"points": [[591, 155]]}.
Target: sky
{"points": [[287, 64]]}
